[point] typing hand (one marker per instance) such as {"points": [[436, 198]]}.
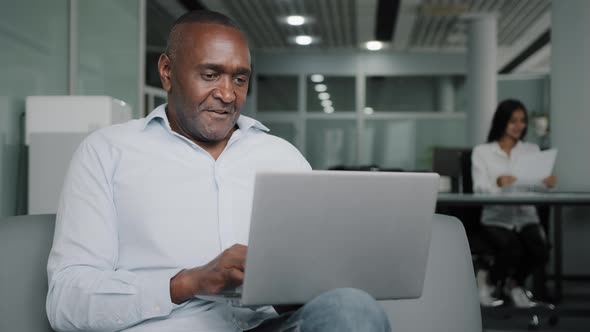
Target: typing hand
{"points": [[505, 180], [224, 271], [550, 181]]}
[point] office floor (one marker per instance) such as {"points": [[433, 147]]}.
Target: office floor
{"points": [[574, 313]]}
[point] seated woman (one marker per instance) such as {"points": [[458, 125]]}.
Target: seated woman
{"points": [[518, 241]]}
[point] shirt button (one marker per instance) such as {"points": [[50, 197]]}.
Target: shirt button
{"points": [[157, 309]]}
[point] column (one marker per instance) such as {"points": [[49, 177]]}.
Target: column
{"points": [[570, 92], [481, 76], [446, 95]]}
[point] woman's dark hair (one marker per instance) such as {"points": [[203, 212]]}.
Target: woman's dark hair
{"points": [[502, 117]]}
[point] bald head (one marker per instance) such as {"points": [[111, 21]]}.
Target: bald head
{"points": [[176, 38]]}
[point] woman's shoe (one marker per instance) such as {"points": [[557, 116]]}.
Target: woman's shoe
{"points": [[519, 297], [486, 291]]}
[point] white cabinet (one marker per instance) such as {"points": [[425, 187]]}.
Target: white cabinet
{"points": [[54, 127]]}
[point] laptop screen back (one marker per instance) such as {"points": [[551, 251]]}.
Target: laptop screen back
{"points": [[315, 231]]}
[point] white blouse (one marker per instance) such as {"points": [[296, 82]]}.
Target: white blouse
{"points": [[489, 162]]}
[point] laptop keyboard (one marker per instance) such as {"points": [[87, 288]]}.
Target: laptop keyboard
{"points": [[232, 292]]}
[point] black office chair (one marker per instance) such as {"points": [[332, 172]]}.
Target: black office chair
{"points": [[456, 164]]}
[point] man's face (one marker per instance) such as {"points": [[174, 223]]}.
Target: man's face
{"points": [[207, 81]]}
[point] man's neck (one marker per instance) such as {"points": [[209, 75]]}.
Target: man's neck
{"points": [[215, 148]]}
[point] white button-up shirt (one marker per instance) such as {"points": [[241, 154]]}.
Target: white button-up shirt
{"points": [[140, 203], [489, 162]]}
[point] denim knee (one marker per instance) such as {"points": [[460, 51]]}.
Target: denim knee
{"points": [[349, 308]]}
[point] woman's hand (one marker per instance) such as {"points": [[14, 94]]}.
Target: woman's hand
{"points": [[505, 180], [550, 181]]}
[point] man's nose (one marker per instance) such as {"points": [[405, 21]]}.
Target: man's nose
{"points": [[225, 91]]}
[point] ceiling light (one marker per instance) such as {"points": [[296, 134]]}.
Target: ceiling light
{"points": [[369, 110], [317, 78], [329, 109], [320, 88], [303, 40], [295, 20], [323, 95], [327, 103], [374, 45]]}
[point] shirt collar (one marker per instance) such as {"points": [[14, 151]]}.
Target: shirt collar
{"points": [[496, 147], [244, 122]]}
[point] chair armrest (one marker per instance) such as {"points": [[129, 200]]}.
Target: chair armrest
{"points": [[449, 299]]}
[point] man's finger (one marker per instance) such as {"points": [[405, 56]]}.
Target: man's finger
{"points": [[239, 248], [229, 259], [236, 276]]}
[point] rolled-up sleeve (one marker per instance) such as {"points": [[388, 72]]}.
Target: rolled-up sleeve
{"points": [[86, 290]]}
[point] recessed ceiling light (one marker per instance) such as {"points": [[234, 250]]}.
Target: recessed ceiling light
{"points": [[369, 110], [317, 78], [323, 95], [303, 40], [295, 20], [374, 45], [329, 109], [321, 88]]}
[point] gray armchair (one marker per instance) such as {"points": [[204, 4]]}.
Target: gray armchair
{"points": [[25, 242], [449, 301]]}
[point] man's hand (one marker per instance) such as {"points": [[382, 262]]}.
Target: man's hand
{"points": [[505, 180], [225, 271], [550, 181]]}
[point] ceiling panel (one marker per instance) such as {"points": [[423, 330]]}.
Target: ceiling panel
{"points": [[428, 24], [421, 26], [439, 23], [333, 22]]}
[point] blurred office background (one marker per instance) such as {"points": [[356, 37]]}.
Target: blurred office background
{"points": [[339, 103], [387, 108]]}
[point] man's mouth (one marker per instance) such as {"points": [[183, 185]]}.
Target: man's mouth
{"points": [[220, 111]]}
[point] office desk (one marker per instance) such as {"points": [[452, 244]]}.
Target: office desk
{"points": [[556, 200]]}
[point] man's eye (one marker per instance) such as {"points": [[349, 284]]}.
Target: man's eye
{"points": [[209, 76], [240, 80]]}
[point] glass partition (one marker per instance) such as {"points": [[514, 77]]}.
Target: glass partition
{"points": [[330, 94], [404, 119], [407, 144], [108, 53], [277, 93], [415, 93], [33, 61], [284, 130], [390, 144], [331, 143], [431, 133]]}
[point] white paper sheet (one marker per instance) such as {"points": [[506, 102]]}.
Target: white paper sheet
{"points": [[532, 168]]}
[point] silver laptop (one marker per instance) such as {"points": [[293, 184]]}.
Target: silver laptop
{"points": [[311, 232]]}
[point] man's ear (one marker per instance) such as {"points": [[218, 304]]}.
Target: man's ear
{"points": [[165, 70]]}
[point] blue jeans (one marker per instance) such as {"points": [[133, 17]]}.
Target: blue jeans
{"points": [[343, 309]]}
